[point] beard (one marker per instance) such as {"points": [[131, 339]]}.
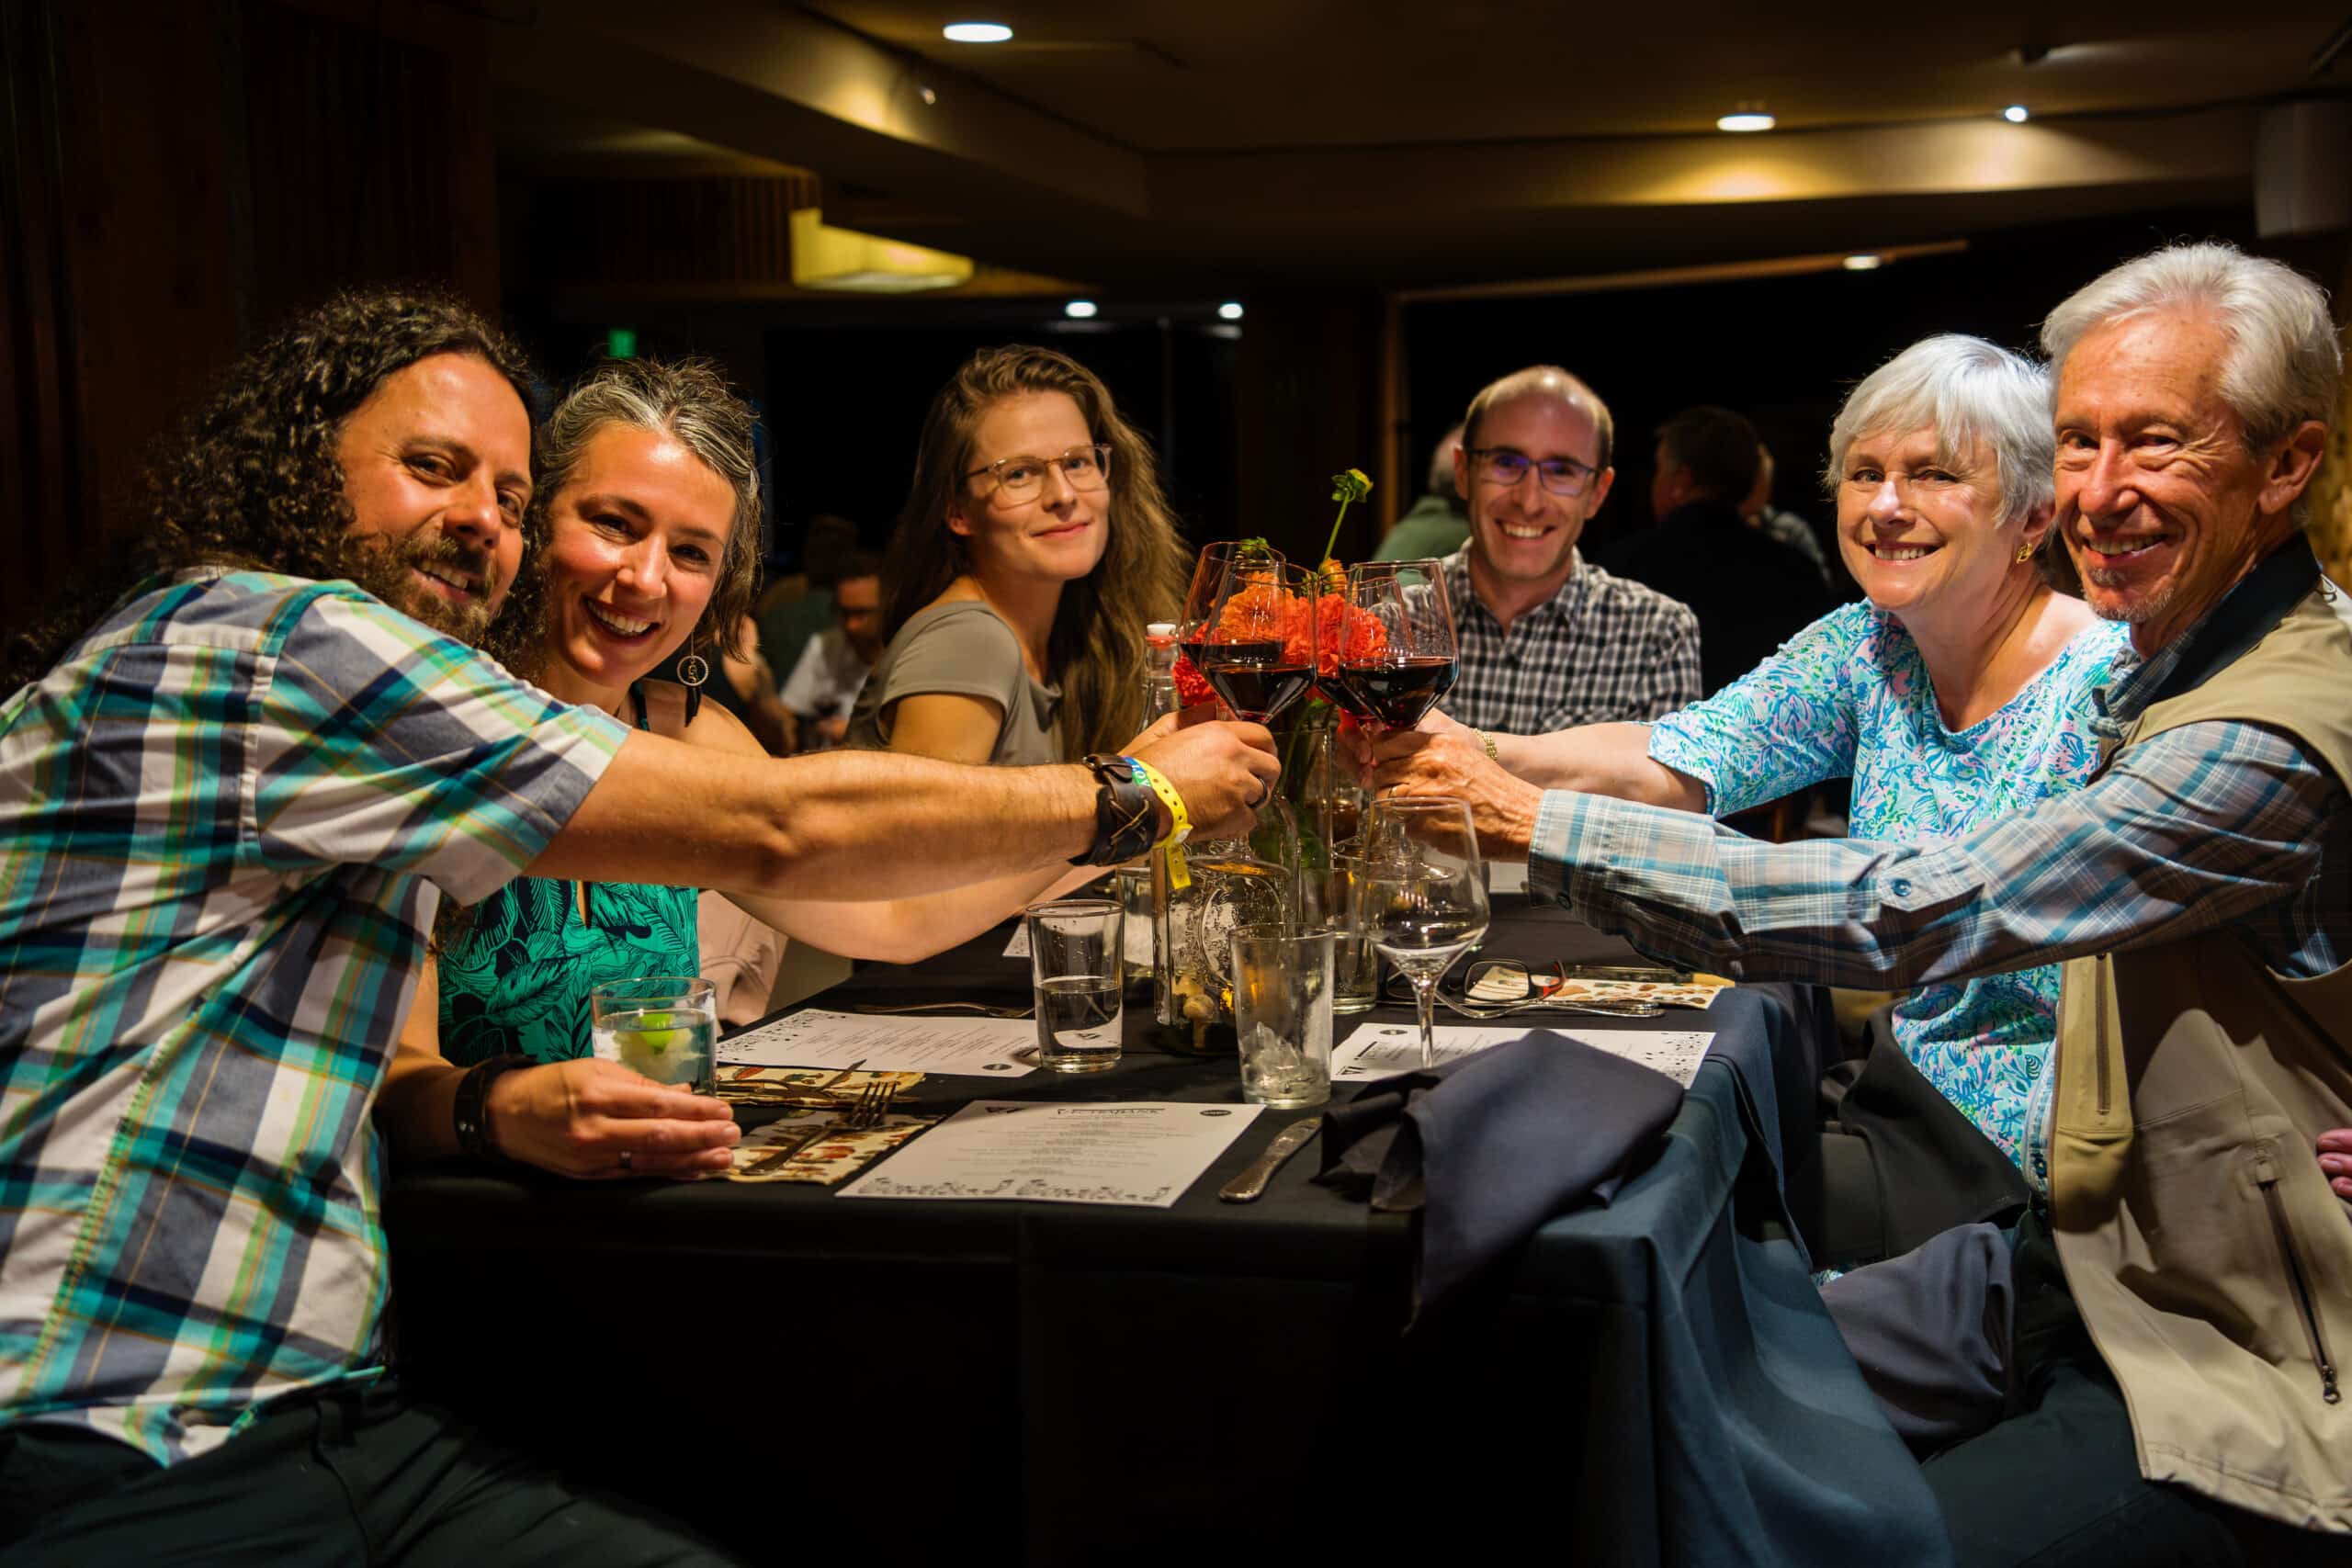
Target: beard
{"points": [[388, 571]]}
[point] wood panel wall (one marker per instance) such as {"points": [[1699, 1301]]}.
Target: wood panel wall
{"points": [[176, 178]]}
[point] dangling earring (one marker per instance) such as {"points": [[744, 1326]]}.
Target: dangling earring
{"points": [[2024, 552], [693, 671]]}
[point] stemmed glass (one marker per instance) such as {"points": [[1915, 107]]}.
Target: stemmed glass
{"points": [[1203, 598], [1258, 647], [1390, 678], [1422, 899]]}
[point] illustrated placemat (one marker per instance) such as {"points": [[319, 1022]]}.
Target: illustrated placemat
{"points": [[783, 1150], [818, 1088]]}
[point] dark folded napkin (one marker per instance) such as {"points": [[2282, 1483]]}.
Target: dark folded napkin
{"points": [[1490, 1146]]}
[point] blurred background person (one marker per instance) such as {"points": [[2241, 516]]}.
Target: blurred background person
{"points": [[1749, 591], [823, 686], [1784, 527], [1437, 525]]}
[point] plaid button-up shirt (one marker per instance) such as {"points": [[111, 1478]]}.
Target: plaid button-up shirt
{"points": [[223, 817], [1601, 650], [2209, 824]]}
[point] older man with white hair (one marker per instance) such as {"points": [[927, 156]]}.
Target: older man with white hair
{"points": [[2144, 1369]]}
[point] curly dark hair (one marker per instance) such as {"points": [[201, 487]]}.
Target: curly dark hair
{"points": [[252, 480]]}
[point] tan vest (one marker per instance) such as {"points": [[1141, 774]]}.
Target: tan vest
{"points": [[2210, 1258]]}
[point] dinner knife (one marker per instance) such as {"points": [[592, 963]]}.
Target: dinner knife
{"points": [[1245, 1187]]}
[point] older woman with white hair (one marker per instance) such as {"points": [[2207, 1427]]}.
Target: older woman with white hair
{"points": [[1958, 692]]}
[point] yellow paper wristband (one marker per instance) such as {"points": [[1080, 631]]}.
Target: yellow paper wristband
{"points": [[1180, 823]]}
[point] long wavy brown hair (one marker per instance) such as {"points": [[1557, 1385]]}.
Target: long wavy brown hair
{"points": [[687, 400], [251, 480], [1096, 648]]}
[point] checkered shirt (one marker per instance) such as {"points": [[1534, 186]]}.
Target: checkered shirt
{"points": [[225, 818], [1602, 649], [2210, 824]]}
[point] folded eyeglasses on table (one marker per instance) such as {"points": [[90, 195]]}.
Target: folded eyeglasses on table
{"points": [[1498, 987]]}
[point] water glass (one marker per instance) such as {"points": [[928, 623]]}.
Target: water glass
{"points": [[664, 1027], [1356, 968], [1281, 1014], [1078, 956], [1131, 885]]}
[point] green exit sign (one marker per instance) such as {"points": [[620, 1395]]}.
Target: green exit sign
{"points": [[620, 342]]}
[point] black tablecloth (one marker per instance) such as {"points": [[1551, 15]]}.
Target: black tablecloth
{"points": [[1654, 1381]]}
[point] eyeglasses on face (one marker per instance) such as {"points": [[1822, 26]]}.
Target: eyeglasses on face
{"points": [[1024, 478], [1506, 466]]}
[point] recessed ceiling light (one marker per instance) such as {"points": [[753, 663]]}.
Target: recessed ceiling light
{"points": [[2015, 114], [1864, 262], [1080, 310], [1230, 311], [1748, 116], [922, 91], [976, 32]]}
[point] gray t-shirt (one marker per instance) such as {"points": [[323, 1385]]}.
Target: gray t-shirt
{"points": [[965, 647]]}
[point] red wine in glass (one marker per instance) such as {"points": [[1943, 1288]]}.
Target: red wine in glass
{"points": [[1252, 677], [1397, 693]]}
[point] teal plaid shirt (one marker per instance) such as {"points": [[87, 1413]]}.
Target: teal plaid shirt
{"points": [[226, 817]]}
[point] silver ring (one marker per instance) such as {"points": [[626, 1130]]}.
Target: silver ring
{"points": [[625, 1166], [1264, 795]]}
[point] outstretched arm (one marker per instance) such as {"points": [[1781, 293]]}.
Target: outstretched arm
{"points": [[898, 930], [866, 825], [2199, 826]]}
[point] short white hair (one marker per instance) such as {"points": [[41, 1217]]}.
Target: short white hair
{"points": [[2283, 364], [1969, 392]]}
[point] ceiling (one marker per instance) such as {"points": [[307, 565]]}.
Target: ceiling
{"points": [[1156, 77], [1145, 145]]}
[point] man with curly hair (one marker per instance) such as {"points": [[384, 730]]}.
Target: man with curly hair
{"points": [[229, 807]]}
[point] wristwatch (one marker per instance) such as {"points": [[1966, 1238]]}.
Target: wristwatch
{"points": [[1127, 813], [471, 1112]]}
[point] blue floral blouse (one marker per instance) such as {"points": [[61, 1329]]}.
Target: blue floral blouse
{"points": [[1850, 695]]}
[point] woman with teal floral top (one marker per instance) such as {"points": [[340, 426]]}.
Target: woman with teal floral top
{"points": [[642, 535], [1960, 692]]}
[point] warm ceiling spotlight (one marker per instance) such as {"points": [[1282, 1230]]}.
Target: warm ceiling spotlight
{"points": [[976, 32], [1230, 311], [922, 91], [1746, 117], [2016, 113], [1080, 310], [1864, 262]]}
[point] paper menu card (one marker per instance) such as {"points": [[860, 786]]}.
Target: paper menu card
{"points": [[1384, 1050], [992, 1047], [1134, 1152]]}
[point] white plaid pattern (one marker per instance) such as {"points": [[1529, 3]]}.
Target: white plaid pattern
{"points": [[219, 818]]}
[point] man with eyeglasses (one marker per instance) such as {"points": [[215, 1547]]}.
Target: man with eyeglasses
{"points": [[1543, 638], [1750, 591]]}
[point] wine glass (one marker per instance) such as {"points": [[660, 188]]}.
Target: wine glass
{"points": [[1201, 600], [1397, 657], [1422, 898], [1258, 647]]}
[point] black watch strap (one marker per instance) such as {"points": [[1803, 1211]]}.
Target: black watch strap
{"points": [[1127, 813], [472, 1110]]}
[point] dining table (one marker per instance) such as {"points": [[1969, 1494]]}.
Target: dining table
{"points": [[1648, 1379]]}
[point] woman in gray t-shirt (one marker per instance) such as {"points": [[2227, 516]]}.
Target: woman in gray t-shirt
{"points": [[1033, 548]]}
